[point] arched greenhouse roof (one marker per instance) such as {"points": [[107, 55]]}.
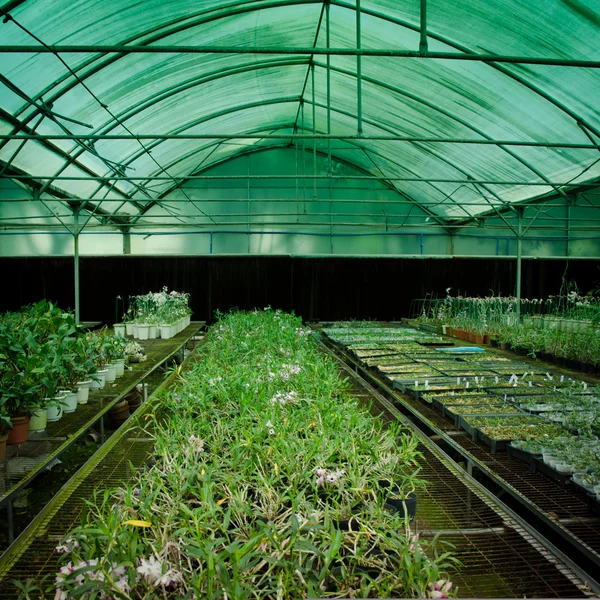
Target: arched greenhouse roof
{"points": [[463, 108]]}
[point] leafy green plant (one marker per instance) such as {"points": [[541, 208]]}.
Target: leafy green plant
{"points": [[261, 455]]}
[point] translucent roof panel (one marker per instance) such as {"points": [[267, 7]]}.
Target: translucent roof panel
{"points": [[243, 98]]}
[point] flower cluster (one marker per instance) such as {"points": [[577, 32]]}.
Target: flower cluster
{"points": [[213, 382], [325, 476], [287, 371], [89, 571], [439, 589], [157, 572], [196, 444], [301, 332], [283, 399], [135, 352], [67, 546]]}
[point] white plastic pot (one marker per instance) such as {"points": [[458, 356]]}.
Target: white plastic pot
{"points": [[153, 332], [70, 402], [111, 372], [120, 364], [102, 377], [143, 331], [55, 409], [129, 328], [119, 329], [165, 332], [39, 419], [83, 391]]}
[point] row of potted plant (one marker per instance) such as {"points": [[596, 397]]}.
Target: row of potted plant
{"points": [[268, 480], [156, 314], [496, 320], [48, 365], [568, 310]]}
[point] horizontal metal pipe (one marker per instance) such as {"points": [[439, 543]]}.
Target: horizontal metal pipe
{"points": [[317, 234], [285, 50], [363, 200], [395, 228], [299, 136], [377, 215], [267, 177]]}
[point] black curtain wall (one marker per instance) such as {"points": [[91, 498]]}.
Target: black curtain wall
{"points": [[315, 288]]}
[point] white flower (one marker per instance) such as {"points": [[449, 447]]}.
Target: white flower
{"points": [[171, 577], [63, 572], [150, 569]]}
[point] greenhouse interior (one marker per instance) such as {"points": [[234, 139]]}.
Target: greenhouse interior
{"points": [[301, 299]]}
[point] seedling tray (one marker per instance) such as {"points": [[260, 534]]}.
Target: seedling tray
{"points": [[516, 391], [448, 412], [470, 429], [526, 457], [439, 400], [494, 445]]}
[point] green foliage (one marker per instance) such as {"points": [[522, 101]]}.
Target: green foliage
{"points": [[260, 453], [41, 349]]}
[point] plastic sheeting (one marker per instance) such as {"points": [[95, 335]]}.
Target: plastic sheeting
{"points": [[249, 94]]}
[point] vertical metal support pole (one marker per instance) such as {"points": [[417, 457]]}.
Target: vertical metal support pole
{"points": [[328, 43], [102, 429], [329, 169], [210, 242], [303, 160], [248, 204], [314, 130], [568, 232], [126, 240], [519, 258], [420, 243], [359, 127], [76, 266], [11, 524], [423, 49]]}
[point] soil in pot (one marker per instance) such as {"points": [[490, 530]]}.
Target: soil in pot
{"points": [[18, 434]]}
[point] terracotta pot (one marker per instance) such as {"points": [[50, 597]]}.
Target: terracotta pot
{"points": [[477, 338], [20, 431], [119, 413], [486, 339], [3, 440]]}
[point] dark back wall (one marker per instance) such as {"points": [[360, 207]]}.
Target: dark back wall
{"points": [[315, 288]]}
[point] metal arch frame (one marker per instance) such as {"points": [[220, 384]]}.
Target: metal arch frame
{"points": [[447, 114], [241, 9], [148, 102], [234, 70], [254, 149], [422, 206], [426, 150], [466, 50], [237, 9]]}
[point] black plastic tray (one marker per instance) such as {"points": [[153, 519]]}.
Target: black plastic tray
{"points": [[526, 457], [494, 445]]}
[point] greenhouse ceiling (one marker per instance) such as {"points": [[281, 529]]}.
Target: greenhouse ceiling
{"points": [[462, 108]]}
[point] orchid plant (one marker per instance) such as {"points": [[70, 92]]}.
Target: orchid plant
{"points": [[260, 453]]}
